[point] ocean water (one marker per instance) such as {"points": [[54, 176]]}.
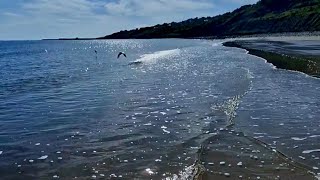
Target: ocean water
{"points": [[67, 112]]}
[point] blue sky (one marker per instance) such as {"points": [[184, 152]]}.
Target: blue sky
{"points": [[38, 19]]}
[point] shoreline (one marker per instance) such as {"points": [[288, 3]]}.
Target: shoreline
{"points": [[262, 35], [282, 59]]}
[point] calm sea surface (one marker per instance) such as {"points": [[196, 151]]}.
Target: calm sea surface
{"points": [[70, 113]]}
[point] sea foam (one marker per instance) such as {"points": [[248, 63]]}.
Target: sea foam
{"points": [[310, 151], [152, 57]]}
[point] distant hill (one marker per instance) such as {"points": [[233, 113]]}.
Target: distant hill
{"points": [[267, 16]]}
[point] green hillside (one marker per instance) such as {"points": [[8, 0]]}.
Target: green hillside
{"points": [[267, 16]]}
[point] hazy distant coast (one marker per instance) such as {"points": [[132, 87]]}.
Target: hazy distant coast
{"points": [[299, 55]]}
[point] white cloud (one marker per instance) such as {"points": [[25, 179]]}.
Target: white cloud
{"points": [[92, 18], [10, 14], [236, 2], [156, 7], [70, 9], [61, 18], [242, 2]]}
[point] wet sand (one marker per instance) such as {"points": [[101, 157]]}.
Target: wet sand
{"points": [[298, 55]]}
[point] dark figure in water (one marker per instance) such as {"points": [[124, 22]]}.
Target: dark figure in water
{"points": [[96, 54], [121, 53]]}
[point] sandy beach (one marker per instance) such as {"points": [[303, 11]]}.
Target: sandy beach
{"points": [[291, 53]]}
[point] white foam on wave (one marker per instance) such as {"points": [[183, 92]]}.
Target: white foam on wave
{"points": [[216, 44], [310, 151], [249, 74], [152, 57], [314, 136], [254, 118], [298, 139], [163, 113], [149, 171], [166, 131], [43, 157], [271, 65]]}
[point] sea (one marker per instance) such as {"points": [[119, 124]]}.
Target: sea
{"points": [[67, 112]]}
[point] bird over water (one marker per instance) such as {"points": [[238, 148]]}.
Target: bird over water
{"points": [[121, 53]]}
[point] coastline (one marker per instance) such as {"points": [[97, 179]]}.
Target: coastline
{"points": [[262, 35], [277, 53]]}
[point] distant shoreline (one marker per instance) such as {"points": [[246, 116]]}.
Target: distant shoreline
{"points": [[290, 61], [294, 34]]}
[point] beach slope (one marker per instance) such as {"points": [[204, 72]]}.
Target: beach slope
{"points": [[297, 55]]}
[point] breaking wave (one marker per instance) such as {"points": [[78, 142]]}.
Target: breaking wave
{"points": [[152, 57]]}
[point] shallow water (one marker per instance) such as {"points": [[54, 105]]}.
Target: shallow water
{"points": [[66, 112]]}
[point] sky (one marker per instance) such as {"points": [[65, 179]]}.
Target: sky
{"points": [[40, 19]]}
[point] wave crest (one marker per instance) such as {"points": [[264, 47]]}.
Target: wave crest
{"points": [[158, 55]]}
